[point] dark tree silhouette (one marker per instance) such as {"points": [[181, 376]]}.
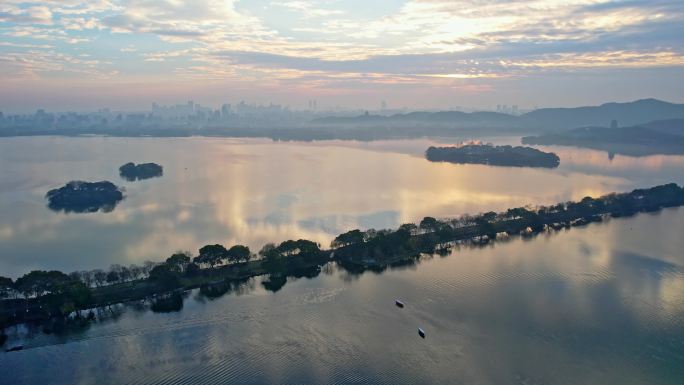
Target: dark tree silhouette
{"points": [[348, 238], [493, 155], [132, 172], [179, 260], [211, 255], [6, 286], [239, 253]]}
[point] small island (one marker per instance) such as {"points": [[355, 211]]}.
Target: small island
{"points": [[132, 172], [493, 155], [85, 197]]}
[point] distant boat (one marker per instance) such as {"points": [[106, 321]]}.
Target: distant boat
{"points": [[398, 303], [15, 349], [421, 333]]}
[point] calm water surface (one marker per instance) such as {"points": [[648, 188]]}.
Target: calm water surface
{"points": [[255, 191], [600, 304]]}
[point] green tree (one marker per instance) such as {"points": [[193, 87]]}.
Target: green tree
{"points": [[348, 238], [168, 276], [179, 260], [6, 286], [211, 255], [39, 282], [192, 270], [73, 296], [268, 251], [239, 253], [429, 224], [272, 259], [410, 227]]}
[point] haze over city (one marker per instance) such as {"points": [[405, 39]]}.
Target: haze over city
{"points": [[423, 54], [396, 192]]}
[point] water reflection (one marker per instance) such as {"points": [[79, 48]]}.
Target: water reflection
{"points": [[168, 302], [254, 191], [219, 289], [586, 305]]}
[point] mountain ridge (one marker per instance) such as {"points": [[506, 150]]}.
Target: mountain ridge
{"points": [[641, 111]]}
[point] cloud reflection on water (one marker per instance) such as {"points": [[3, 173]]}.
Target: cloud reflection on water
{"points": [[257, 191]]}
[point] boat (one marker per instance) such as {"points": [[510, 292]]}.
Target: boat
{"points": [[421, 333], [398, 303], [15, 349]]}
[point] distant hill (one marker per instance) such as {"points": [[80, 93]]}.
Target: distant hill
{"points": [[658, 137], [541, 120], [627, 114], [670, 126], [441, 118]]}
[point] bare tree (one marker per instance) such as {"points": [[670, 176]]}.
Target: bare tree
{"points": [[87, 277], [115, 273], [147, 267], [135, 271], [99, 276]]}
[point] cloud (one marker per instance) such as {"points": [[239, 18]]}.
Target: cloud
{"points": [[319, 43], [201, 20], [31, 64], [309, 9], [79, 23], [32, 15]]}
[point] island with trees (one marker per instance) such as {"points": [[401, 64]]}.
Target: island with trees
{"points": [[55, 298], [493, 155], [133, 172], [85, 197]]}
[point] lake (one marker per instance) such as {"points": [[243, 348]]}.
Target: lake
{"points": [[598, 304]]}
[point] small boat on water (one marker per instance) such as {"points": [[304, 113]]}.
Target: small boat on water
{"points": [[421, 333], [15, 349], [398, 303]]}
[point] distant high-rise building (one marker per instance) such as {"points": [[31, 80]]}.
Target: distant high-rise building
{"points": [[383, 105], [613, 123], [225, 111]]}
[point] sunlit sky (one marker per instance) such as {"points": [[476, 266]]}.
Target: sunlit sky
{"points": [[82, 55]]}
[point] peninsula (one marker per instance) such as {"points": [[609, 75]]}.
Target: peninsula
{"points": [[493, 155], [42, 296], [659, 137]]}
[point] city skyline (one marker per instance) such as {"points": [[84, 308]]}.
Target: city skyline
{"points": [[74, 55], [191, 107]]}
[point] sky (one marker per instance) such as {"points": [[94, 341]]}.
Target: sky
{"points": [[417, 54]]}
